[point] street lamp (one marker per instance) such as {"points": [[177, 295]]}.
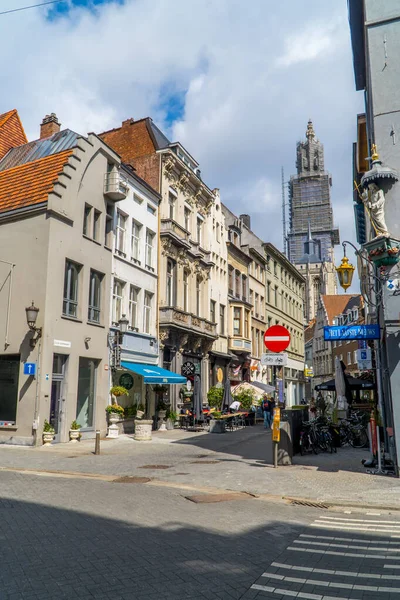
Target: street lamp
{"points": [[116, 341], [345, 271], [123, 326], [31, 318]]}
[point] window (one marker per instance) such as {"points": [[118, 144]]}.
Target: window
{"points": [[96, 224], [151, 209], [94, 296], [268, 292], [137, 199], [199, 229], [237, 284], [246, 323], [275, 268], [258, 347], [86, 219], [133, 306], [149, 248], [217, 236], [198, 296], [118, 290], [262, 305], [9, 373], [70, 303], [251, 297], [148, 297], [108, 226], [170, 282], [135, 241], [268, 262], [244, 287], [86, 391], [256, 305], [121, 230], [231, 280], [276, 296], [237, 321], [212, 310], [187, 214], [171, 205], [186, 291], [221, 319]]}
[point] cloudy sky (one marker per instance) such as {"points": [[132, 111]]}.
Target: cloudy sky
{"points": [[235, 81]]}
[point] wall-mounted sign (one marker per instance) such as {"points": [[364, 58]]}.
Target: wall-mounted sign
{"points": [[126, 380], [308, 372], [351, 332], [62, 344], [274, 360], [188, 368], [30, 369], [364, 359], [220, 375]]}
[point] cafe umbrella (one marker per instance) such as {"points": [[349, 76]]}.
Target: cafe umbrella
{"points": [[227, 398], [197, 404]]}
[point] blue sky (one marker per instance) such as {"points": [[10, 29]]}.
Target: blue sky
{"points": [[234, 81]]}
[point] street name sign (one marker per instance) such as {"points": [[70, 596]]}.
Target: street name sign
{"points": [[352, 332], [276, 338], [274, 360]]}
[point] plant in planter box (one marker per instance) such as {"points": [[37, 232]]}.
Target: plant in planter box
{"points": [[140, 411], [115, 409], [172, 417], [74, 433], [215, 396], [48, 433]]}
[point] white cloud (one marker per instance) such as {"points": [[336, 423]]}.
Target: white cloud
{"points": [[243, 111]]}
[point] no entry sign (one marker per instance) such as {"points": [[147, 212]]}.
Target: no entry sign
{"points": [[277, 338]]}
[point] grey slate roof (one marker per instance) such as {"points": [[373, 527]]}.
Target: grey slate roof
{"points": [[161, 140], [63, 140]]}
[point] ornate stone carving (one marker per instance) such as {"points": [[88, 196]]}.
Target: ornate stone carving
{"points": [[374, 201], [168, 166], [183, 340], [206, 346], [180, 316], [183, 260], [196, 322], [168, 248], [183, 181]]}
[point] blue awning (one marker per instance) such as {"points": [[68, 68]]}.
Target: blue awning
{"points": [[153, 374]]}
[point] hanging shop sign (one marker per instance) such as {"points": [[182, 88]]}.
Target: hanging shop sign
{"points": [[352, 332]]}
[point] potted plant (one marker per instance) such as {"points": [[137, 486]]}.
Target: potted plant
{"points": [[172, 417], [74, 433], [162, 409], [115, 412], [140, 411], [217, 424], [185, 394], [214, 397], [48, 433], [119, 390]]}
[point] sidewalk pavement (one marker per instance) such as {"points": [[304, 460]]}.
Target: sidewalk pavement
{"points": [[239, 460]]}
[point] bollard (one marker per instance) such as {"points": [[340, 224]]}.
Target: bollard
{"points": [[276, 434], [97, 443]]}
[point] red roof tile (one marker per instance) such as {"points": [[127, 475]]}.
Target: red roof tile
{"points": [[30, 183], [335, 305], [11, 132]]}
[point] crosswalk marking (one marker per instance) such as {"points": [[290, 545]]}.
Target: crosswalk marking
{"points": [[288, 579]]}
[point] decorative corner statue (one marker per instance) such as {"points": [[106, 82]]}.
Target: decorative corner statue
{"points": [[374, 200]]}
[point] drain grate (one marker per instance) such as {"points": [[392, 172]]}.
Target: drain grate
{"points": [[128, 479], [309, 503], [155, 467], [204, 462]]}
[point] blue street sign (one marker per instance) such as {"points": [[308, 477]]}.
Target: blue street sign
{"points": [[351, 332], [30, 369], [362, 344]]}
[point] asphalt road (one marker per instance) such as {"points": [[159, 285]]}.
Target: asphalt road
{"points": [[74, 538]]}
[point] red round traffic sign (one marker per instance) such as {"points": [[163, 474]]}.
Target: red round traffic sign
{"points": [[277, 338]]}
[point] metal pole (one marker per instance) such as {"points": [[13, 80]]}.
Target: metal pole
{"points": [[276, 445], [97, 443]]}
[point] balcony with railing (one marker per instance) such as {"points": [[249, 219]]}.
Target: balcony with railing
{"points": [[171, 228], [180, 318], [115, 185]]}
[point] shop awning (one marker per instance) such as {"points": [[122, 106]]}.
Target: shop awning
{"points": [[153, 374]]}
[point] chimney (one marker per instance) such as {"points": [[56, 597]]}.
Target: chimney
{"points": [[245, 220], [49, 126], [127, 122]]}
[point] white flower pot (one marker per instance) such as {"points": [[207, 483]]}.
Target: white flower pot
{"points": [[139, 414], [74, 435], [48, 437], [113, 418], [143, 429], [162, 414]]}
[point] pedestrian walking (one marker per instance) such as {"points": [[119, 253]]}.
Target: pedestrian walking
{"points": [[267, 406]]}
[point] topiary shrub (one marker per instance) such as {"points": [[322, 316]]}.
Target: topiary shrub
{"points": [[214, 396]]}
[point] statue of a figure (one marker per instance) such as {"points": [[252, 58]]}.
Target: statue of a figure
{"points": [[316, 160], [374, 200]]}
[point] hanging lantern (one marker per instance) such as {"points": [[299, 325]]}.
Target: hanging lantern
{"points": [[345, 273]]}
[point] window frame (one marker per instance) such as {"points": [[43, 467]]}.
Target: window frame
{"points": [[68, 300], [135, 241], [133, 307], [147, 310], [118, 298], [93, 309]]}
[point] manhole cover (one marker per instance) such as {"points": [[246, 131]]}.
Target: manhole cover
{"points": [[309, 503], [128, 479], [204, 462], [155, 467]]}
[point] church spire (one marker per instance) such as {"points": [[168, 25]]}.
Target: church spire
{"points": [[310, 133], [309, 232]]}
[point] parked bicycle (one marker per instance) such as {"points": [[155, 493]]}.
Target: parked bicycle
{"points": [[317, 435], [352, 431]]}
